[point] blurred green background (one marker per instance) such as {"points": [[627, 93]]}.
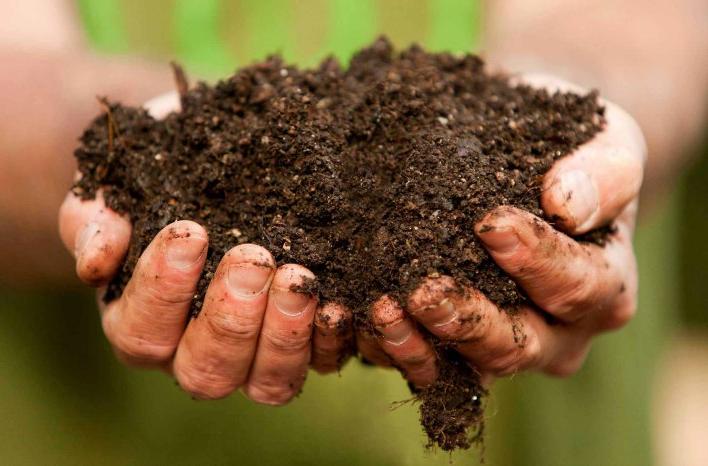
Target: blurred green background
{"points": [[64, 400]]}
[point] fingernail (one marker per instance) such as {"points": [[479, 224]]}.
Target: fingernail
{"points": [[444, 313], [248, 280], [184, 249], [332, 319], [499, 239], [290, 303], [396, 333], [579, 195], [86, 235]]}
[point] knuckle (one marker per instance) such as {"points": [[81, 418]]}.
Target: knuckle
{"points": [[325, 362], [620, 315], [630, 164], [327, 346], [158, 291], [329, 359], [472, 329], [378, 360], [504, 364], [270, 393], [234, 329], [564, 369], [203, 385], [287, 341], [325, 367], [135, 350], [568, 365], [375, 357], [531, 351], [577, 294], [416, 361], [422, 372], [515, 357], [419, 378]]}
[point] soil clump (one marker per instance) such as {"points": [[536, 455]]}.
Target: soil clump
{"points": [[372, 176]]}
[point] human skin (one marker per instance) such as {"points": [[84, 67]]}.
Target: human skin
{"points": [[256, 345], [587, 288], [652, 59], [252, 333], [649, 57], [48, 90], [29, 219]]}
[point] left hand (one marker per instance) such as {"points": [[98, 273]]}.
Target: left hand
{"points": [[586, 288], [254, 332]]}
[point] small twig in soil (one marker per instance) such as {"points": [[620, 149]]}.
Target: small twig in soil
{"points": [[112, 128], [181, 80]]}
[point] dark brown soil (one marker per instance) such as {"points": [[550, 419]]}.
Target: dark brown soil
{"points": [[372, 177]]}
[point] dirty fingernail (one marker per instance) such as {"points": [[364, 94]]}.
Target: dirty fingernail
{"points": [[443, 314], [580, 196], [248, 280], [396, 333], [288, 302], [499, 239], [185, 249], [85, 236], [332, 319]]}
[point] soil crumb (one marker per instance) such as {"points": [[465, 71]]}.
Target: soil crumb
{"points": [[372, 176]]}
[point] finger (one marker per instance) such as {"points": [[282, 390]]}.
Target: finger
{"points": [[283, 351], [495, 341], [332, 341], [215, 354], [96, 235], [566, 278], [591, 186], [411, 353], [370, 350], [487, 379], [161, 106], [550, 82], [146, 323]]}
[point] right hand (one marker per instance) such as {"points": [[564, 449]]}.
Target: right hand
{"points": [[585, 288], [253, 331]]}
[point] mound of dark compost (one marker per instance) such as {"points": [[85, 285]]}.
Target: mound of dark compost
{"points": [[372, 176]]}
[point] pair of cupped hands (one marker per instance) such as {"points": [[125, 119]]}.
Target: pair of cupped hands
{"points": [[257, 334]]}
